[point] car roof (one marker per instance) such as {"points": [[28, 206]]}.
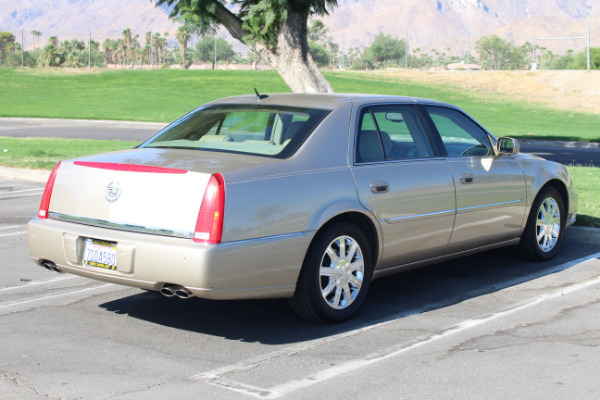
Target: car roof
{"points": [[320, 100]]}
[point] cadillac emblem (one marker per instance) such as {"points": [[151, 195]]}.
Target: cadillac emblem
{"points": [[113, 191]]}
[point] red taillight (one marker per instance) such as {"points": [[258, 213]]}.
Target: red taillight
{"points": [[45, 204], [209, 225]]}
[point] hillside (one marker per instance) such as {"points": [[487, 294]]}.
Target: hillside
{"points": [[69, 19], [443, 24], [428, 24]]}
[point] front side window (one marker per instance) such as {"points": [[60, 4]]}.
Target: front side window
{"points": [[271, 131], [460, 135], [391, 132]]}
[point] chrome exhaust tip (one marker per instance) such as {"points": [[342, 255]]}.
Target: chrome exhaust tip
{"points": [[50, 266], [183, 293], [167, 291]]}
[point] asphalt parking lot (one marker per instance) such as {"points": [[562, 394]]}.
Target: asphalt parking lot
{"points": [[485, 327]]}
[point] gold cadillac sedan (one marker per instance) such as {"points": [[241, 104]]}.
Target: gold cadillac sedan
{"points": [[307, 197]]}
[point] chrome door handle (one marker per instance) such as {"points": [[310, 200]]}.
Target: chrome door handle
{"points": [[378, 187], [467, 178]]}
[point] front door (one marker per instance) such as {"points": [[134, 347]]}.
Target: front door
{"points": [[490, 188]]}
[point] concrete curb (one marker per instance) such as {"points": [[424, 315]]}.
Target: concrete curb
{"points": [[568, 145], [33, 175], [573, 234]]}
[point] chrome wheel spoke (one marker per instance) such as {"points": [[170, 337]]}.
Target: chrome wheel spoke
{"points": [[356, 282], [327, 271], [347, 295], [337, 298], [333, 256], [329, 288]]}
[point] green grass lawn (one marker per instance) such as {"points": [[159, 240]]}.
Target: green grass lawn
{"points": [[44, 153], [587, 184], [162, 95]]}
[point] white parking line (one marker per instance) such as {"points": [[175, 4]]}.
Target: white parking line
{"points": [[64, 297], [54, 296], [13, 233], [11, 227], [37, 283], [2, 197], [217, 377], [27, 190]]}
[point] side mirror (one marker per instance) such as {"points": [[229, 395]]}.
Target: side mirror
{"points": [[507, 145]]}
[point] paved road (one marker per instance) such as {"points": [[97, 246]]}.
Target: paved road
{"points": [[80, 129], [484, 327], [135, 131]]}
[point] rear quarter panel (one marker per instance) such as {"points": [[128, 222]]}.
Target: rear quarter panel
{"points": [[298, 194]]}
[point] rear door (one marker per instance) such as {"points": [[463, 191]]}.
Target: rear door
{"points": [[403, 183], [490, 188]]}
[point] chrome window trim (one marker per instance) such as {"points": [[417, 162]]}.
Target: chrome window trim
{"points": [[402, 160]]}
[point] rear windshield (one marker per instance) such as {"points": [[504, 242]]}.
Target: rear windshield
{"points": [[271, 131]]}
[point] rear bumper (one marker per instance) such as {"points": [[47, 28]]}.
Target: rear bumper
{"points": [[257, 268]]}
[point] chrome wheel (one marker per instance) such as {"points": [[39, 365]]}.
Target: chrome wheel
{"points": [[543, 234], [342, 272], [548, 224], [336, 274]]}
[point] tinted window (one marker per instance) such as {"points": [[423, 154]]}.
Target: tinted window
{"points": [[390, 133], [261, 130], [460, 135]]}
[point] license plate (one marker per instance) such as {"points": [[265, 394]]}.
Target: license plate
{"points": [[98, 253]]}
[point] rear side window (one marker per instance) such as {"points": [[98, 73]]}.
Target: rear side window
{"points": [[391, 132], [272, 131], [461, 135]]}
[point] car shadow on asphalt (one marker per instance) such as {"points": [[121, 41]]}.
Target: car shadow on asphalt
{"points": [[408, 293]]}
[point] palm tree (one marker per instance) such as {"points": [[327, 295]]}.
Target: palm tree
{"points": [[38, 34], [183, 36], [53, 40], [106, 46], [156, 44], [123, 50], [126, 42], [147, 47]]}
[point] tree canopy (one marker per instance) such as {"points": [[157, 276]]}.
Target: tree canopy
{"points": [[497, 53], [275, 30], [383, 49]]}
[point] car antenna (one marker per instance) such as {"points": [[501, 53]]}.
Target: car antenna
{"points": [[260, 96]]}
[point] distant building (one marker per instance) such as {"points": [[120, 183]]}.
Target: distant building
{"points": [[461, 66]]}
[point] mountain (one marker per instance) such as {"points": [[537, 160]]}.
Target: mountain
{"points": [[443, 24], [69, 19], [428, 24]]}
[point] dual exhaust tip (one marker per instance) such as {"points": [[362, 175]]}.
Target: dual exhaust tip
{"points": [[169, 290], [50, 266]]}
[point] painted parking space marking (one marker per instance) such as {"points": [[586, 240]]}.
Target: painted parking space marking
{"points": [[20, 194], [219, 376]]}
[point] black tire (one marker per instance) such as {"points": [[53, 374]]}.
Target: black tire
{"points": [[350, 277], [543, 234]]}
